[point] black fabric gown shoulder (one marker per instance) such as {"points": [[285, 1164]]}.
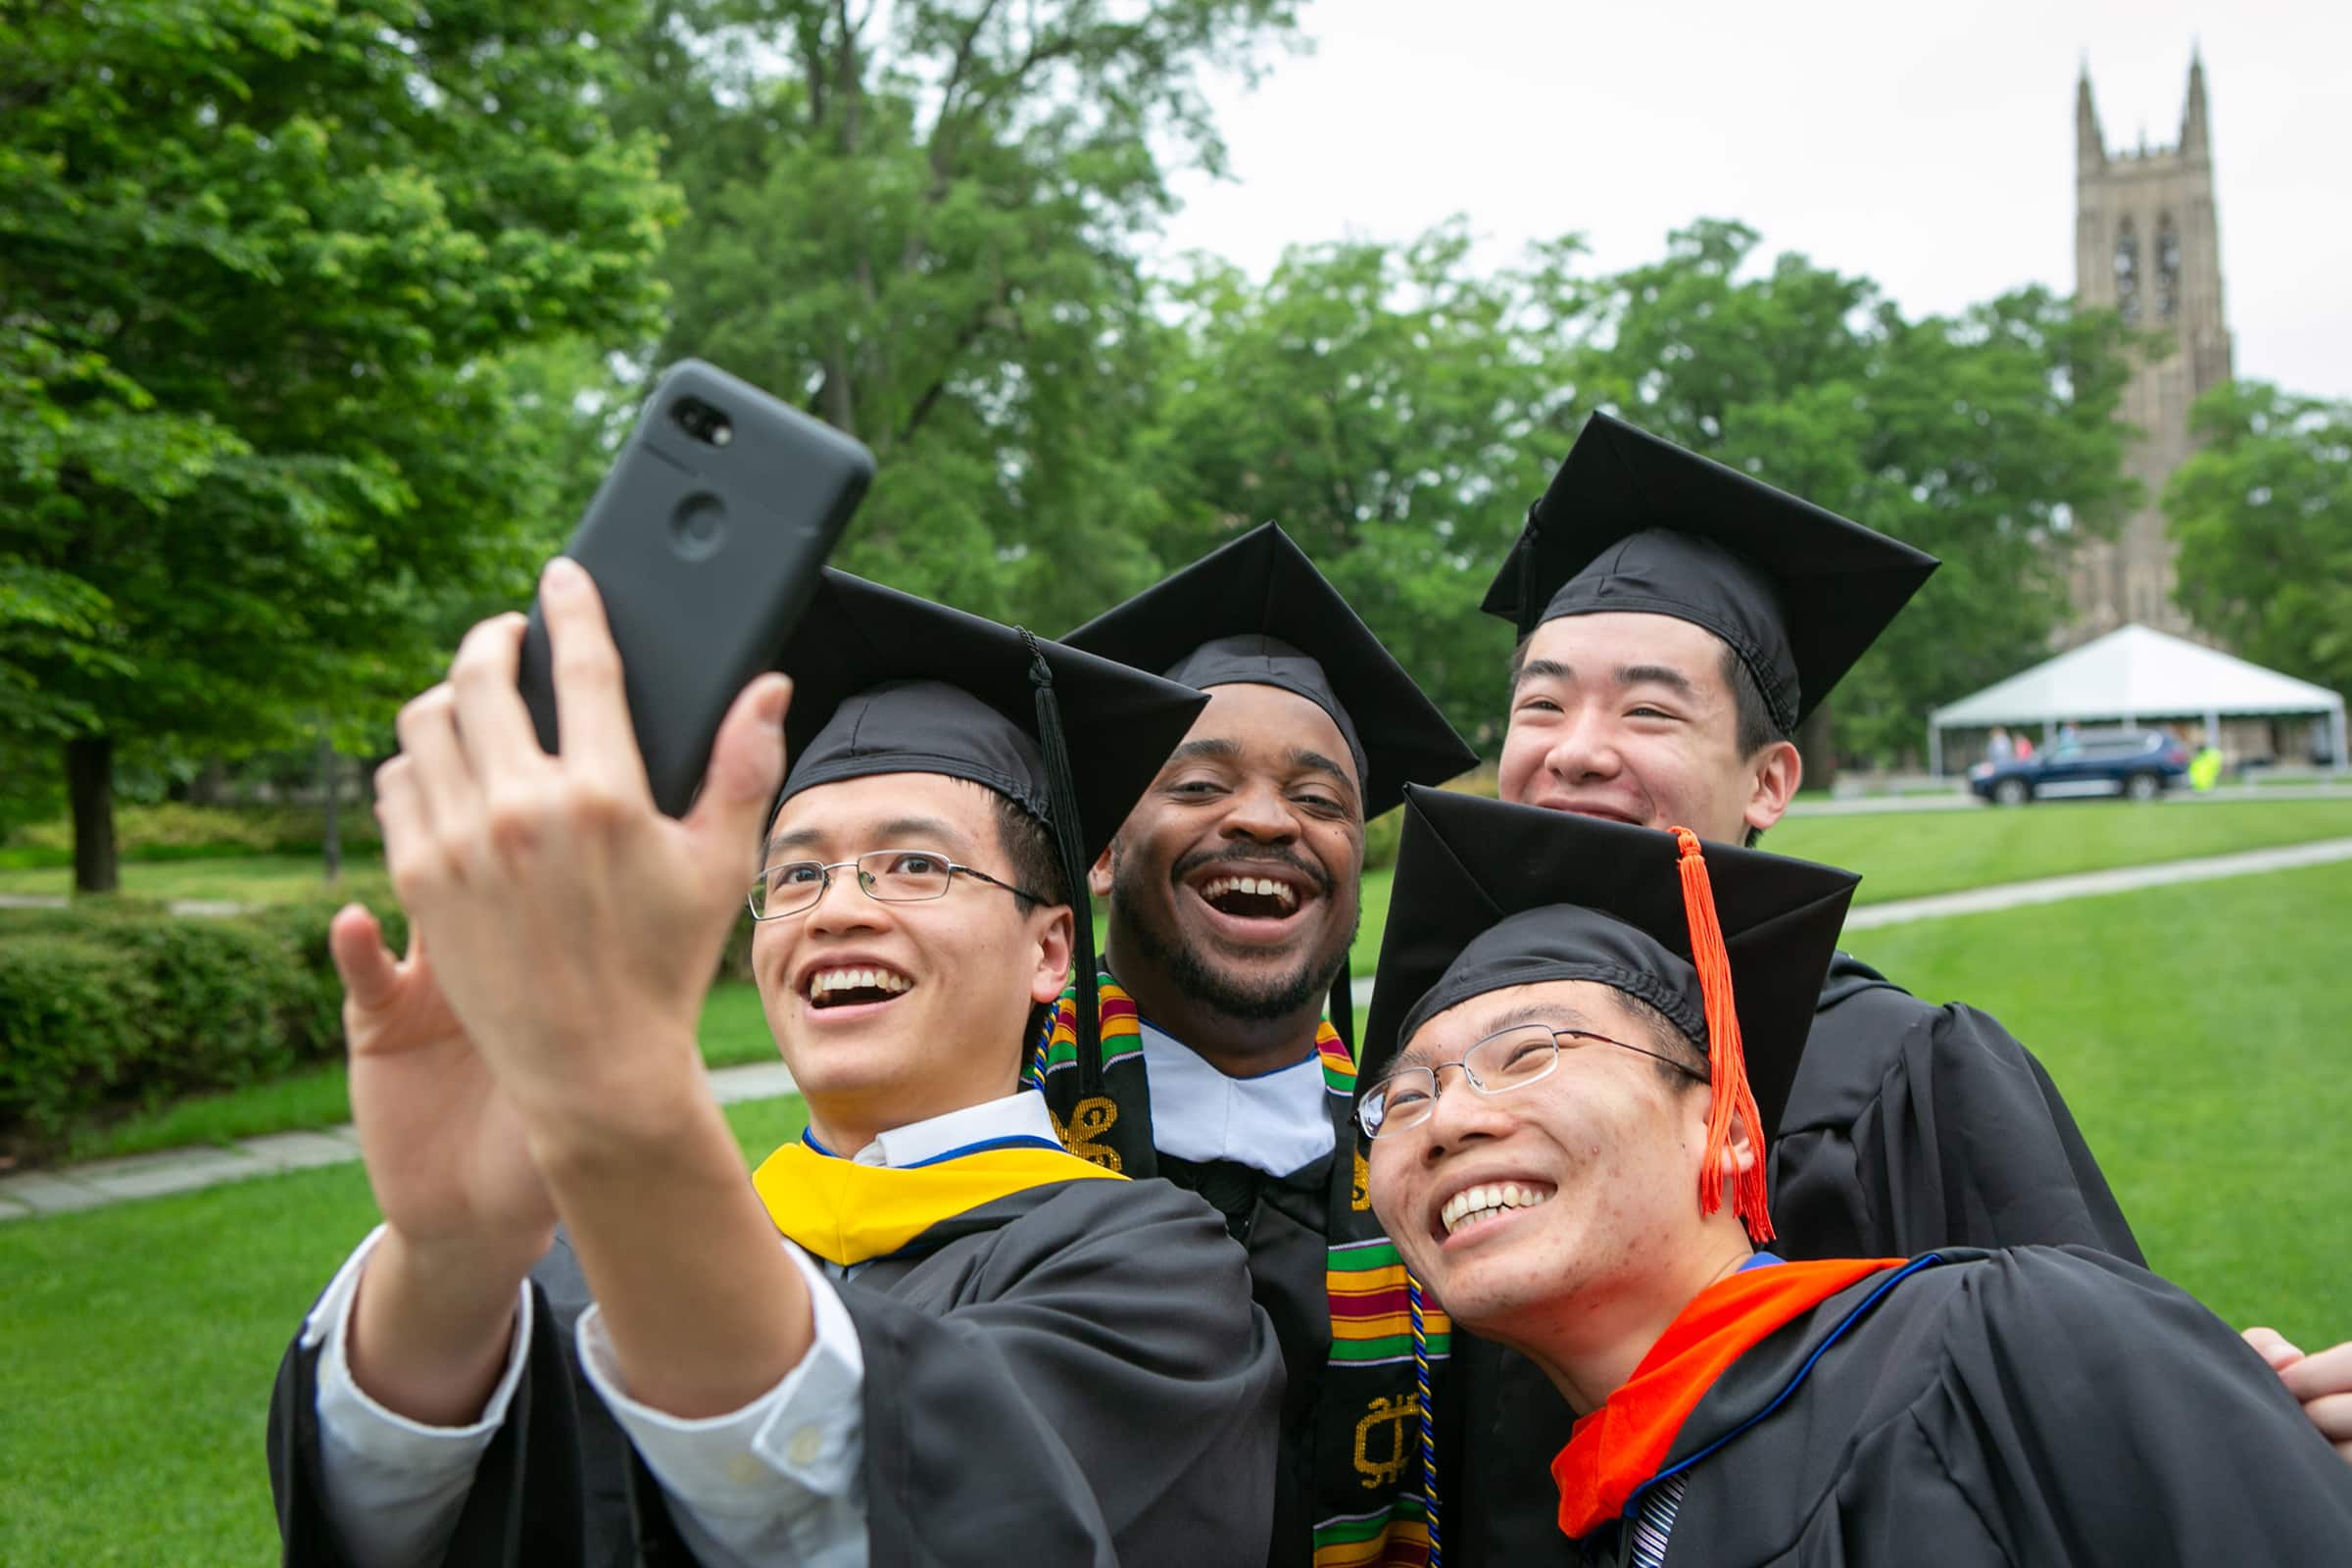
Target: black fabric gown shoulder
{"points": [[2046, 1405], [1910, 1127], [1074, 1374]]}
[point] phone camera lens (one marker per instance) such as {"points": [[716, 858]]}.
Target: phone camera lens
{"points": [[701, 421]]}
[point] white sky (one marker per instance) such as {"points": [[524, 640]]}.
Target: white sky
{"points": [[1928, 147]]}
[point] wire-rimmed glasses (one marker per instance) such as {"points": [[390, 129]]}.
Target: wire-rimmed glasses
{"points": [[889, 876], [1505, 1060]]}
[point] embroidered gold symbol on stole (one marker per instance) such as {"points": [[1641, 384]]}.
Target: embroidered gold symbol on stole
{"points": [[1089, 1121], [1396, 1414], [1362, 1197]]}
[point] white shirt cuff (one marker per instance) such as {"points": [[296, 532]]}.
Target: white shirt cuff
{"points": [[394, 1487], [781, 1479]]}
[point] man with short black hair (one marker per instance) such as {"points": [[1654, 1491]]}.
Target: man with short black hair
{"points": [[969, 1346], [1605, 1218]]}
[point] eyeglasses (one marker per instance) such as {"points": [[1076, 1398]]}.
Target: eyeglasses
{"points": [[890, 876], [1507, 1060]]}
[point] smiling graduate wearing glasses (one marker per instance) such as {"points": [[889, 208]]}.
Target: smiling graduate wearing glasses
{"points": [[969, 1346]]}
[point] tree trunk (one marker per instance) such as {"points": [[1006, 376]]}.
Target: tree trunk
{"points": [[90, 787], [1819, 751], [328, 790]]}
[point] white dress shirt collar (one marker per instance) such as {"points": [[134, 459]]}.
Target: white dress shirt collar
{"points": [[1277, 1122]]}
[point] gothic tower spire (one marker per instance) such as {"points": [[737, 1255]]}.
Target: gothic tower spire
{"points": [[2194, 133], [2090, 146]]}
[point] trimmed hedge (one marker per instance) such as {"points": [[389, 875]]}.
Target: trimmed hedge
{"points": [[118, 1003], [176, 832]]}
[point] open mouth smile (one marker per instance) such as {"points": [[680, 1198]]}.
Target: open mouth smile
{"points": [[1476, 1206], [853, 985], [1256, 903]]}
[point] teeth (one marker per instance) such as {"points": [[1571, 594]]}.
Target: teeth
{"points": [[1261, 886], [1476, 1204], [827, 980]]}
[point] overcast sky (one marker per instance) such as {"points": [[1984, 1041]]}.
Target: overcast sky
{"points": [[1930, 147]]}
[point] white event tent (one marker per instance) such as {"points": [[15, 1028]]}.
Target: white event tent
{"points": [[2132, 675]]}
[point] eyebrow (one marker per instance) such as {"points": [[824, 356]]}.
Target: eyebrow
{"points": [[917, 827], [1302, 756], [1665, 675]]}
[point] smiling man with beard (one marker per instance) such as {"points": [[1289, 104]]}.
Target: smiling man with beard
{"points": [[1583, 1035], [1233, 893], [923, 1333]]}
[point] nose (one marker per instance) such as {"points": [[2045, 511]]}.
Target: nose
{"points": [[1584, 747], [1462, 1115], [1259, 811], [843, 905]]}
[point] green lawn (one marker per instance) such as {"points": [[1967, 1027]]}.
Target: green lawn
{"points": [[239, 879], [2197, 1032], [1904, 854], [141, 1341]]}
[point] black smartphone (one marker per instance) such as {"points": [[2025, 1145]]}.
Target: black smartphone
{"points": [[706, 540]]}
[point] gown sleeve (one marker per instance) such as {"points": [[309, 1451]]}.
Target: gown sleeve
{"points": [[1108, 1399], [556, 1484], [1913, 1127], [2101, 1415]]}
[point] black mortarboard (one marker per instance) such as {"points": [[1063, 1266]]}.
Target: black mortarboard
{"points": [[1490, 895], [884, 682], [1635, 523], [1257, 612]]}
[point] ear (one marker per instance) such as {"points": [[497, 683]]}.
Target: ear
{"points": [[1738, 1151], [1097, 875], [1055, 941], [1776, 772]]}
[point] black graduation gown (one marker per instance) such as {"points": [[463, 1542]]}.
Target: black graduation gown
{"points": [[1071, 1373], [1910, 1128], [2046, 1405]]}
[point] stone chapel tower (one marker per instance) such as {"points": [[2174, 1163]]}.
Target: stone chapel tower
{"points": [[2147, 243]]}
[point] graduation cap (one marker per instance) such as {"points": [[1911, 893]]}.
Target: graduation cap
{"points": [[1729, 944], [1257, 613], [884, 682], [1632, 523]]}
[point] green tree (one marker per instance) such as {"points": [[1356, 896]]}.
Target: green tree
{"points": [[264, 269], [922, 222], [2263, 512], [1988, 439], [1393, 410]]}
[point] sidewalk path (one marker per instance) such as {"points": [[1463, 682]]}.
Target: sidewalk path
{"points": [[183, 1170]]}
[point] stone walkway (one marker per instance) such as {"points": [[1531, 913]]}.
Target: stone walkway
{"points": [[181, 1170]]}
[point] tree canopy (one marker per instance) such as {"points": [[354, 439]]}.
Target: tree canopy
{"points": [[2263, 513], [264, 266]]}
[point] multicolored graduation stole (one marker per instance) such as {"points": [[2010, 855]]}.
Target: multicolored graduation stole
{"points": [[1369, 1488]]}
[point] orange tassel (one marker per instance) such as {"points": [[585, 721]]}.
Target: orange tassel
{"points": [[1726, 1063]]}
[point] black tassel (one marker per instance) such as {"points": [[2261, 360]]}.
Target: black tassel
{"points": [[1343, 1007], [1069, 838]]}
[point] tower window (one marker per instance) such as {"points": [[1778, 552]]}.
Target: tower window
{"points": [[2127, 274], [2168, 268]]}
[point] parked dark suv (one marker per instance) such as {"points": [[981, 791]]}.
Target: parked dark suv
{"points": [[2142, 763]]}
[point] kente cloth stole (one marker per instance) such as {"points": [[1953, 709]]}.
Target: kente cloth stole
{"points": [[1367, 1484], [850, 1213]]}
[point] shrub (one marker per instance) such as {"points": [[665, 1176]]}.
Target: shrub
{"points": [[117, 1002], [176, 832]]}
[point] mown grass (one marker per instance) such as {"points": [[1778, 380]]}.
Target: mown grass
{"points": [[2197, 1032], [141, 1341], [1907, 855]]}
